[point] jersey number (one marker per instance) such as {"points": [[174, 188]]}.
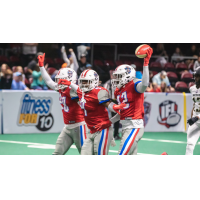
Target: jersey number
{"points": [[125, 99], [63, 102]]}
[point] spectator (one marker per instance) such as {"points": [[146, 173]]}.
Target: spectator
{"points": [[33, 63], [178, 54], [160, 77], [72, 61], [83, 48], [29, 51], [83, 65], [17, 84], [150, 77], [20, 69], [138, 74], [163, 87], [38, 83], [196, 64], [160, 51], [6, 80], [193, 51], [155, 88], [4, 67]]}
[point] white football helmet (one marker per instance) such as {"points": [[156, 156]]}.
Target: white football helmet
{"points": [[122, 75], [93, 80], [66, 73]]}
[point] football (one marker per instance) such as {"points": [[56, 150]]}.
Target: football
{"points": [[140, 52], [173, 119]]}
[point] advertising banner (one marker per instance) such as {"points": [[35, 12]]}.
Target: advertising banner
{"points": [[31, 112], [164, 112]]}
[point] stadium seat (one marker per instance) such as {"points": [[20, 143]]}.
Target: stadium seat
{"points": [[59, 61], [14, 60], [181, 87], [51, 70], [190, 66], [118, 62], [154, 73], [173, 78], [128, 62], [139, 66], [155, 66], [27, 83], [187, 77], [181, 67], [4, 59], [99, 63], [191, 84], [110, 63], [169, 67], [50, 62]]}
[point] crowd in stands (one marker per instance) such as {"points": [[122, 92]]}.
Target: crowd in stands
{"points": [[20, 70]]}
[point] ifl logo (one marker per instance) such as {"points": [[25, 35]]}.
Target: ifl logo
{"points": [[168, 114], [35, 112]]}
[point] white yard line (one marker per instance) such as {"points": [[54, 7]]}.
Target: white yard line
{"points": [[49, 146]]}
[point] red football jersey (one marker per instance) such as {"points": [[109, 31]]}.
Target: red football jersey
{"points": [[72, 113], [94, 111], [134, 100]]}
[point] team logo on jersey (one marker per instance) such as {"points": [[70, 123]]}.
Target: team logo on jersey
{"points": [[147, 110], [35, 111], [70, 73], [128, 70], [168, 114]]}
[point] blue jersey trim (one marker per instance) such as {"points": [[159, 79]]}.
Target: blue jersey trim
{"points": [[104, 101], [135, 85], [74, 98]]}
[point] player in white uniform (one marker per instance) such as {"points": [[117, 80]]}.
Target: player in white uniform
{"points": [[193, 132]]}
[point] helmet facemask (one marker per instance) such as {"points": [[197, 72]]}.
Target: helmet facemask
{"points": [[86, 85]]}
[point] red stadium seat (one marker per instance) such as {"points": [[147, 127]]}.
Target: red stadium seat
{"points": [[110, 63], [154, 72], [169, 67], [181, 86], [99, 63], [118, 62], [128, 62], [181, 66], [155, 66], [59, 61], [49, 61], [51, 70], [139, 66], [186, 77], [191, 84], [4, 59], [14, 60], [27, 81], [173, 78], [190, 66]]}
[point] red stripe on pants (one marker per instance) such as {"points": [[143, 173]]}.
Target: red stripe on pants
{"points": [[106, 140], [132, 142]]}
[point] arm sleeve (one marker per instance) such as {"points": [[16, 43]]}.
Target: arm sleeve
{"points": [[115, 118], [76, 66], [73, 94], [66, 60], [47, 79], [36, 74], [103, 96], [141, 86]]}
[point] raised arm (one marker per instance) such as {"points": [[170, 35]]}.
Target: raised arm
{"points": [[44, 73], [141, 87], [64, 55], [76, 66]]}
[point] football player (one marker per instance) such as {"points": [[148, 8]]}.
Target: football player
{"points": [[74, 130], [193, 131], [94, 100], [130, 91]]}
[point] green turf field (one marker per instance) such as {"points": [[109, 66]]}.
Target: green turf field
{"points": [[44, 144]]}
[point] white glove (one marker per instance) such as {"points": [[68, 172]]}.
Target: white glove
{"points": [[63, 49], [113, 144]]}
